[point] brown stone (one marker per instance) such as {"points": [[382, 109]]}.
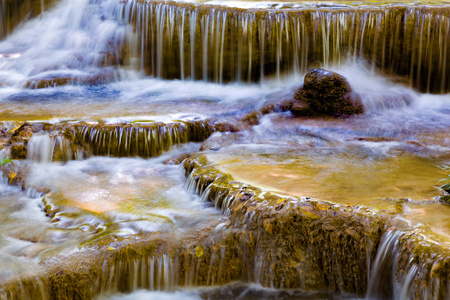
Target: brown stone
{"points": [[18, 151], [327, 93], [301, 109]]}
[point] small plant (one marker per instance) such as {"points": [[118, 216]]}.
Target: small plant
{"points": [[446, 185], [4, 161]]}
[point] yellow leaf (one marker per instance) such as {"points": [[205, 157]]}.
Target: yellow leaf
{"points": [[16, 128], [199, 251], [111, 248], [11, 174]]}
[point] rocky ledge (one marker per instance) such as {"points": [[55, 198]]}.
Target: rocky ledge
{"points": [[276, 241]]}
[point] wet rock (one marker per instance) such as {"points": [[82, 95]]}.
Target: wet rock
{"points": [[210, 145], [219, 140], [445, 199], [326, 92], [37, 127], [16, 173], [176, 160], [301, 109], [18, 151], [225, 127], [285, 105], [251, 118]]}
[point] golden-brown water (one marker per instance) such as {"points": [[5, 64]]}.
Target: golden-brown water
{"points": [[405, 184]]}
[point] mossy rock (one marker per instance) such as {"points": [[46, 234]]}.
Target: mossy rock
{"points": [[446, 187], [326, 92], [18, 151]]}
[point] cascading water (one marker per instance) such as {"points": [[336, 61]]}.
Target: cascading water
{"points": [[140, 140], [74, 43], [105, 96], [221, 44], [17, 11], [41, 148]]}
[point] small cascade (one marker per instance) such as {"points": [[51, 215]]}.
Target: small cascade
{"points": [[41, 148], [139, 140], [208, 189], [384, 267], [156, 273], [224, 44], [4, 154], [3, 179], [44, 148], [407, 267]]}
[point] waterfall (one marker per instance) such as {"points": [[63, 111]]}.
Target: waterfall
{"points": [[44, 149], [85, 41], [139, 140], [383, 271], [41, 148], [156, 273], [398, 272], [72, 43], [223, 44]]}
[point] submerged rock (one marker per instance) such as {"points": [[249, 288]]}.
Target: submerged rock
{"points": [[225, 127], [326, 92], [176, 160], [253, 117]]}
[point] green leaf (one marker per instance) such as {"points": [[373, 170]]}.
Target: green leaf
{"points": [[4, 161]]}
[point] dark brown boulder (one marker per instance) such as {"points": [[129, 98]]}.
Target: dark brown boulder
{"points": [[326, 92]]}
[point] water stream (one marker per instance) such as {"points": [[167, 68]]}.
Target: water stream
{"points": [[108, 96]]}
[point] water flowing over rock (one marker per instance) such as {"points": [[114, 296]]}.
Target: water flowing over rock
{"points": [[326, 92], [230, 44], [406, 265], [115, 178], [73, 44], [67, 142], [223, 44], [139, 140], [13, 12]]}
